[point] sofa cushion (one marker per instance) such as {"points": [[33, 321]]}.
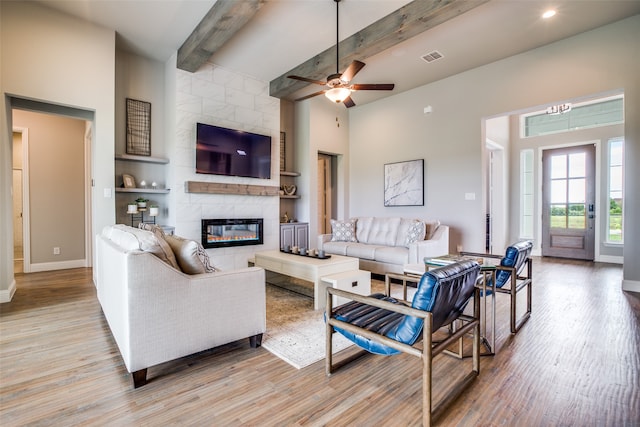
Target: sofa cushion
{"points": [[383, 231], [343, 231], [191, 256], [362, 250], [415, 233], [147, 241], [392, 255], [363, 226], [338, 248]]}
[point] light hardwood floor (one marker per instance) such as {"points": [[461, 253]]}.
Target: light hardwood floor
{"points": [[575, 363]]}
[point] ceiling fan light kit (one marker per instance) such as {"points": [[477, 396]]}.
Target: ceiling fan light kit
{"points": [[339, 87], [338, 94]]}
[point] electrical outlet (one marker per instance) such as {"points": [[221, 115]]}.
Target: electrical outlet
{"points": [[56, 250]]}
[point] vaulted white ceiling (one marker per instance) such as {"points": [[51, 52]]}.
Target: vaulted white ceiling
{"points": [[285, 33]]}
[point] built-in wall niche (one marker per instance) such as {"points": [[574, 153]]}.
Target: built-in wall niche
{"points": [[141, 178]]}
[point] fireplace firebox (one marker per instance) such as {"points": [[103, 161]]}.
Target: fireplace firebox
{"points": [[225, 232]]}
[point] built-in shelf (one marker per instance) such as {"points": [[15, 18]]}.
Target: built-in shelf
{"points": [[144, 159], [286, 173], [284, 196], [142, 190]]}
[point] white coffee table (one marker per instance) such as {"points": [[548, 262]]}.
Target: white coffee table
{"points": [[306, 268]]}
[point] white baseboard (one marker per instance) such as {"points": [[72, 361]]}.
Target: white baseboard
{"points": [[610, 259], [631, 285], [7, 294], [63, 265]]}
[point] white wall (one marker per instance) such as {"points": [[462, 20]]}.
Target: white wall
{"points": [[450, 138], [57, 59], [216, 96], [321, 127]]}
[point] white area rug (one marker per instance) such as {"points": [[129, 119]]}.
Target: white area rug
{"points": [[295, 332]]}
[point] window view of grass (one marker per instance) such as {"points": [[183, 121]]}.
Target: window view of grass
{"points": [[574, 219], [615, 221]]}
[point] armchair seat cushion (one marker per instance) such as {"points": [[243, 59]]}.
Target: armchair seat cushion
{"points": [[444, 292]]}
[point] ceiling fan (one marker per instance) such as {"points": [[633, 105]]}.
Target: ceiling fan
{"points": [[339, 85]]}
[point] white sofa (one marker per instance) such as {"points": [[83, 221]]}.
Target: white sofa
{"points": [[157, 313], [384, 245]]}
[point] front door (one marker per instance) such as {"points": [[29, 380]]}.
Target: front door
{"points": [[568, 202]]}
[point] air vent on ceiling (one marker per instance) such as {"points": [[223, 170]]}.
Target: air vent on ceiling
{"points": [[432, 56]]}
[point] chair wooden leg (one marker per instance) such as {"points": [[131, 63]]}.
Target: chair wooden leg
{"points": [[329, 334], [255, 341], [427, 375], [139, 378]]}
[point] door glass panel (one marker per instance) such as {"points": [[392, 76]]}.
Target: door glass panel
{"points": [[559, 191], [577, 217], [577, 189], [558, 217], [558, 166], [577, 165]]}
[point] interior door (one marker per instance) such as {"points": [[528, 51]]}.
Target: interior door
{"points": [[568, 202], [324, 194]]}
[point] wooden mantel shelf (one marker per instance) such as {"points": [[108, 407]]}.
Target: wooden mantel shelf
{"points": [[221, 188]]}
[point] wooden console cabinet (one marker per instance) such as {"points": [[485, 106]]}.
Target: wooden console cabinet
{"points": [[294, 234]]}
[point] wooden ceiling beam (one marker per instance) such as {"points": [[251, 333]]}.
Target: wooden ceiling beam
{"points": [[224, 19], [403, 24]]}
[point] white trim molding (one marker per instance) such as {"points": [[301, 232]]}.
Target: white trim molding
{"points": [[631, 285], [7, 294], [63, 265]]}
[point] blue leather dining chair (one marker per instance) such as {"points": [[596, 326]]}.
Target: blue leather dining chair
{"points": [[383, 325], [512, 275]]}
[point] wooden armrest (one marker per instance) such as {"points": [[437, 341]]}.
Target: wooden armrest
{"points": [[481, 255]]}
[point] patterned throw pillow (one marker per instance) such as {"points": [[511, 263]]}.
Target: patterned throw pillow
{"points": [[343, 231], [191, 256], [416, 232]]}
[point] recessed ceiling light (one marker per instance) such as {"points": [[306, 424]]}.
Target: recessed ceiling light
{"points": [[548, 14]]}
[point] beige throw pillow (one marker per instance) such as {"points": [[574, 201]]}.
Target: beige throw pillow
{"points": [[152, 242], [191, 256]]}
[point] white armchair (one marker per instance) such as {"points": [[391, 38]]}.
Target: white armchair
{"points": [[157, 313]]}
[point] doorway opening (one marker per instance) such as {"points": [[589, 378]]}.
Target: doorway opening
{"points": [[327, 194], [51, 149]]}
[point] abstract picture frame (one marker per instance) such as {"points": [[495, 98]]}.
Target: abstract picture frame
{"points": [[404, 183], [138, 127]]}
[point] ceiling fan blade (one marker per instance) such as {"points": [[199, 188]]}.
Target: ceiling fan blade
{"points": [[373, 86], [304, 79], [348, 102], [351, 71], [311, 96]]}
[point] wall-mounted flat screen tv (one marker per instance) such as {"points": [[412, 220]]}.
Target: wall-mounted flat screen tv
{"points": [[222, 151]]}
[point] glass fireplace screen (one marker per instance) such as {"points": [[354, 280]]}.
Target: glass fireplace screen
{"points": [[218, 233]]}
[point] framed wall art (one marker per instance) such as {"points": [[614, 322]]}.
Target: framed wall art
{"points": [[138, 127], [128, 181], [404, 183]]}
